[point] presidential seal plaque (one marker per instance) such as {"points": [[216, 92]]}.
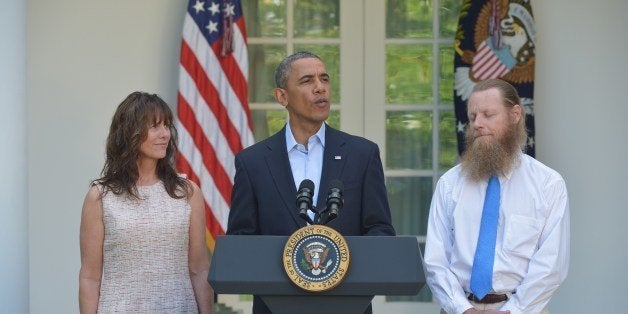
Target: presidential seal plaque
{"points": [[316, 258]]}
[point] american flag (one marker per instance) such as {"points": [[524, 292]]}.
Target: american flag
{"points": [[487, 63], [214, 121]]}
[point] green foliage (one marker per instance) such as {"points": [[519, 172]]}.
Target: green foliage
{"points": [[409, 18], [448, 142], [464, 9], [448, 15], [265, 18], [268, 122], [263, 60], [446, 74], [409, 74], [409, 140], [317, 19], [334, 119]]}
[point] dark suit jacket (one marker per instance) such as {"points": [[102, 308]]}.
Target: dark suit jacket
{"points": [[263, 201]]}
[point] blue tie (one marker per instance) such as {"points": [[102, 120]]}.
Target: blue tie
{"points": [[482, 273]]}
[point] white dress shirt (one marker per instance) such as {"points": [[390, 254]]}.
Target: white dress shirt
{"points": [[306, 163], [532, 246]]}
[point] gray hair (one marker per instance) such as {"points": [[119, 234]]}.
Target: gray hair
{"points": [[283, 69]]}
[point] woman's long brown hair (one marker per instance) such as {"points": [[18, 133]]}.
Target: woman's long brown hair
{"points": [[129, 128]]}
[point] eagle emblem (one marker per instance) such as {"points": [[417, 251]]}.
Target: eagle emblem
{"points": [[504, 42], [316, 258], [315, 255], [495, 39]]}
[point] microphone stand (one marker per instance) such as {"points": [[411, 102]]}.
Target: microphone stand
{"points": [[322, 216], [318, 216], [303, 214]]}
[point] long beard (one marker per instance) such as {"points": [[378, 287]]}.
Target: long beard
{"points": [[482, 159]]}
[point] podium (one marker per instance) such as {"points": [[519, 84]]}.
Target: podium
{"points": [[379, 266]]}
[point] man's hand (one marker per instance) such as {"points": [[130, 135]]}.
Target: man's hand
{"points": [[474, 311]]}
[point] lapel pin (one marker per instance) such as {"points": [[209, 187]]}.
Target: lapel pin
{"points": [[337, 157]]}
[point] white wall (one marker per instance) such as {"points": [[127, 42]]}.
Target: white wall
{"points": [[13, 185], [85, 56], [582, 130]]}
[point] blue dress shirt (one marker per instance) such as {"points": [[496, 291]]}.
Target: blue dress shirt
{"points": [[306, 163]]}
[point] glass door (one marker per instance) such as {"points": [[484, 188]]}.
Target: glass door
{"points": [[391, 67], [409, 111]]}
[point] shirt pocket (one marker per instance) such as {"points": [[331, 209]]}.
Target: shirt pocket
{"points": [[521, 235]]}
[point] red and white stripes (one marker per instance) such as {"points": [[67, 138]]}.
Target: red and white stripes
{"points": [[214, 121]]}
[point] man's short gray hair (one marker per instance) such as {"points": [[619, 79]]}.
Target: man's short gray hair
{"points": [[283, 69]]}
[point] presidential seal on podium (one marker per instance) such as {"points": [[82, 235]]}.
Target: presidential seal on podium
{"points": [[316, 258]]}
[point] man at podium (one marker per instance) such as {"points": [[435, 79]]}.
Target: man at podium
{"points": [[263, 201]]}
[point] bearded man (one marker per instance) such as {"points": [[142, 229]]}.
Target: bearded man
{"points": [[498, 228]]}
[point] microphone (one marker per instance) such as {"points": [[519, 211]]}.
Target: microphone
{"points": [[304, 199], [335, 199]]}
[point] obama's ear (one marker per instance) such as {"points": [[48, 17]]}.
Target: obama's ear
{"points": [[281, 96]]}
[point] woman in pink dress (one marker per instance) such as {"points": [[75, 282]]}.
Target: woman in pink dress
{"points": [[143, 225]]}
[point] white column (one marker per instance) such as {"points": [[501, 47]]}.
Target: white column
{"points": [[14, 280]]}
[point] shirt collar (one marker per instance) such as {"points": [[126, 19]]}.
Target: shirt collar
{"points": [[517, 163], [291, 142]]}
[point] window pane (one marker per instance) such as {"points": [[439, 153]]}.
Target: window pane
{"points": [[448, 145], [448, 15], [409, 140], [409, 74], [267, 122], [331, 57], [265, 18], [409, 199], [317, 19], [263, 60], [446, 74], [334, 119], [409, 19]]}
